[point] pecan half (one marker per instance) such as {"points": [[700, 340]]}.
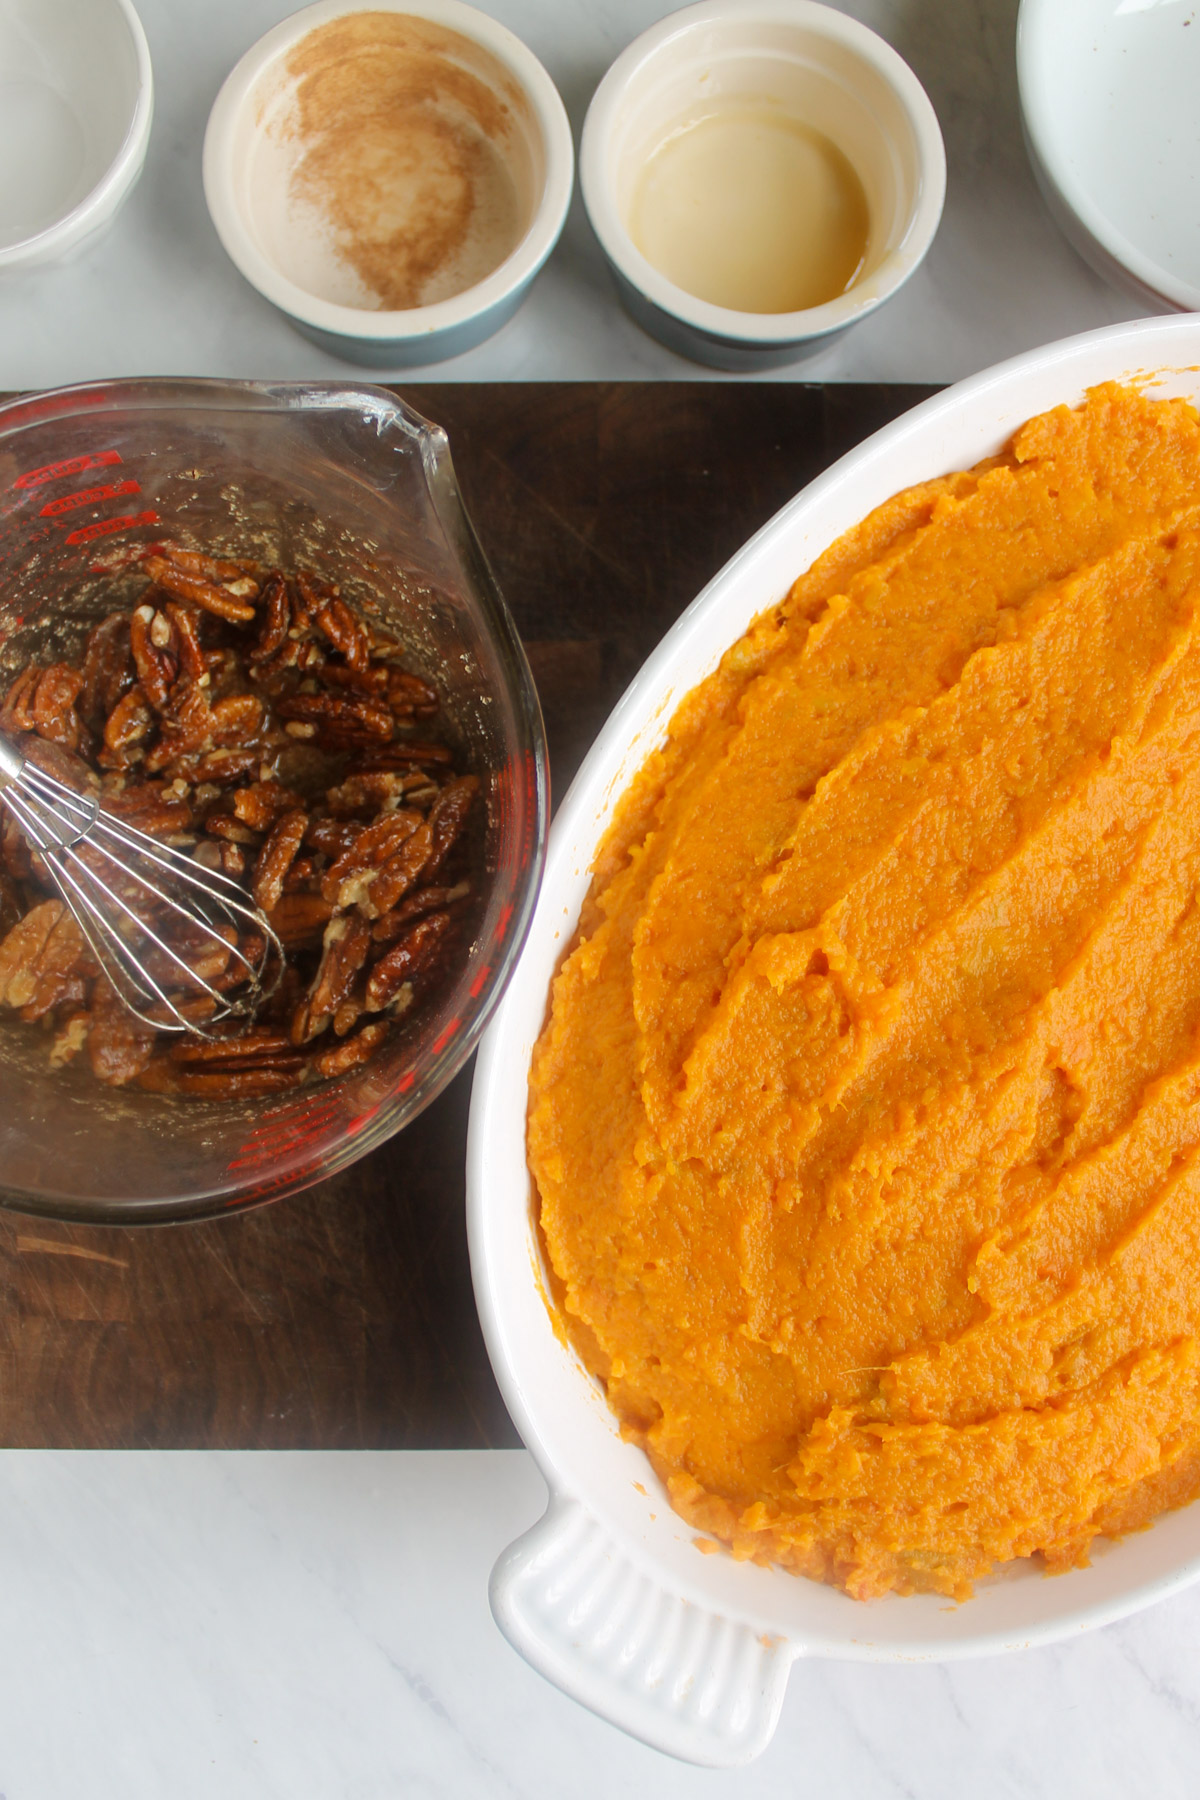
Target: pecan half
{"points": [[16, 713], [352, 1053], [411, 955], [193, 663], [258, 1046], [210, 568], [206, 959], [371, 678], [66, 765], [300, 919], [155, 663], [150, 806], [428, 899], [297, 654], [340, 721], [235, 720], [128, 725], [371, 792], [40, 958], [351, 1009], [262, 802], [346, 943], [405, 751], [277, 856], [108, 670], [53, 705], [448, 817], [224, 825], [348, 879], [216, 768], [119, 1046], [201, 592], [408, 694], [398, 873], [186, 726], [332, 837], [344, 632], [309, 597], [277, 618], [162, 1077]]}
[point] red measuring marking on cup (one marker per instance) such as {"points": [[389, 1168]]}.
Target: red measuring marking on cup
{"points": [[71, 465], [105, 527], [33, 479], [306, 1125], [88, 497], [287, 1124]]}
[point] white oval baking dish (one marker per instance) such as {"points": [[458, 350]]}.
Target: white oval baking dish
{"points": [[607, 1595]]}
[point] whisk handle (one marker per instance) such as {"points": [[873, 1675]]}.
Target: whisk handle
{"points": [[11, 762]]}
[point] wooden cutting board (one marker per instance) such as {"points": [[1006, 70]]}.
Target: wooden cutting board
{"points": [[343, 1318]]}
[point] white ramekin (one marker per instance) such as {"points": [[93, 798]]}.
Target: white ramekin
{"points": [[815, 64], [75, 122], [1109, 107], [608, 1595], [419, 334]]}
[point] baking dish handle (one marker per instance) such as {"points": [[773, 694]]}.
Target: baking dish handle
{"points": [[682, 1679]]}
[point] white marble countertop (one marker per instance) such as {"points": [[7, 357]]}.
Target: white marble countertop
{"points": [[279, 1626], [157, 296], [315, 1626]]}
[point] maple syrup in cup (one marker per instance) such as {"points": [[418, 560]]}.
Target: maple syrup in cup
{"points": [[760, 174], [750, 208]]}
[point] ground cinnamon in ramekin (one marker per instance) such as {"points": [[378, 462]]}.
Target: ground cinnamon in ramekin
{"points": [[405, 154]]}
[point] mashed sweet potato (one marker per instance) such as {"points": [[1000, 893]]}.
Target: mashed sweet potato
{"points": [[866, 1121]]}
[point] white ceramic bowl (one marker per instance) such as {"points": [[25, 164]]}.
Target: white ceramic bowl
{"points": [[76, 102], [1110, 99], [608, 1595], [250, 156], [814, 65]]}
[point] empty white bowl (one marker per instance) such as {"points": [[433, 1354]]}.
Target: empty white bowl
{"points": [[1109, 98], [76, 101], [789, 60], [298, 250]]}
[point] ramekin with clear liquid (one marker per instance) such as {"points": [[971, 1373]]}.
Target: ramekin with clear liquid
{"points": [[351, 484]]}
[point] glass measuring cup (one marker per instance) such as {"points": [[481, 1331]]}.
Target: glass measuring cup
{"points": [[348, 483]]}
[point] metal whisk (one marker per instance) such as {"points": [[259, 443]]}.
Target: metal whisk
{"points": [[131, 895]]}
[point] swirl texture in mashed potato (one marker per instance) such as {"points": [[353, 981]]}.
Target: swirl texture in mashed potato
{"points": [[866, 1120]]}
